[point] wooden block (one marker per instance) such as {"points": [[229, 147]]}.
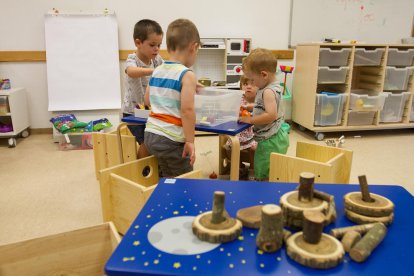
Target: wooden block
{"points": [[78, 252]]}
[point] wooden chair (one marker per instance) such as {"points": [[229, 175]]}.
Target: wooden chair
{"points": [[106, 149], [329, 164], [125, 190]]}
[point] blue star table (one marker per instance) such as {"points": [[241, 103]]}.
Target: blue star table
{"points": [[160, 241], [226, 131]]}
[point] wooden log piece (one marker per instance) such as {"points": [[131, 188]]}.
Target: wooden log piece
{"points": [[323, 196], [306, 180], [250, 217], [326, 254], [312, 226], [218, 208], [379, 207], [363, 185], [270, 236], [361, 229], [363, 249], [350, 239], [361, 219], [216, 226], [293, 209]]}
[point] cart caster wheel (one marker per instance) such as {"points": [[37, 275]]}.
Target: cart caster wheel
{"points": [[25, 133], [302, 128], [12, 142], [319, 136]]}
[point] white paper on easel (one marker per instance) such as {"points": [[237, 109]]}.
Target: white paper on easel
{"points": [[82, 62]]}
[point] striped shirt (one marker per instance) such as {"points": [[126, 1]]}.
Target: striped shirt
{"points": [[262, 132], [165, 99]]}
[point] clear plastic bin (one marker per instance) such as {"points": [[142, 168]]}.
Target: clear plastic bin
{"points": [[366, 57], [214, 106], [398, 57], [394, 107], [4, 106], [334, 57], [75, 141], [328, 109], [362, 100], [332, 75], [361, 118], [397, 78]]}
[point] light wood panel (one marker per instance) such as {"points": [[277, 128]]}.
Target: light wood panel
{"points": [[36, 56]]}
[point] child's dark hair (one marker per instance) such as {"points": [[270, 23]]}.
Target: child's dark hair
{"points": [[145, 27]]}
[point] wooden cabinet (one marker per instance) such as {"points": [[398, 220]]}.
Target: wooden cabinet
{"points": [[14, 115], [375, 82]]}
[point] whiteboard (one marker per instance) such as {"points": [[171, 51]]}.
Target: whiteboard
{"points": [[82, 59], [371, 21]]}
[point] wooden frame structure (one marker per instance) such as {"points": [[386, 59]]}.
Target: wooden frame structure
{"points": [[125, 190], [329, 164]]}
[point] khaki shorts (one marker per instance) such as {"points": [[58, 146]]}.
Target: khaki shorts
{"points": [[169, 155], [278, 143]]}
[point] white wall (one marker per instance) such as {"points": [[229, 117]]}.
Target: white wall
{"points": [[22, 29]]}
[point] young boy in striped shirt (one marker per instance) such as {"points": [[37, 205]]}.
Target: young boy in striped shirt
{"points": [[169, 133]]}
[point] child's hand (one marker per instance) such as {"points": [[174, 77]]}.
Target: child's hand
{"points": [[189, 149], [247, 120], [199, 86]]}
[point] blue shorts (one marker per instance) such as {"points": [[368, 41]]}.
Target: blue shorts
{"points": [[136, 130]]}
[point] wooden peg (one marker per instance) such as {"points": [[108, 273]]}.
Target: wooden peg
{"points": [[216, 226], [361, 229], [312, 226], [270, 236], [363, 185], [306, 180], [363, 249]]}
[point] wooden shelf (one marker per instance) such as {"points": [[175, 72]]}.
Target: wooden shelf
{"points": [[370, 78]]}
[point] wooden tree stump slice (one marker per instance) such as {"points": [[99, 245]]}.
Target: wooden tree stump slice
{"points": [[361, 219], [293, 209], [379, 207], [326, 254], [350, 239], [225, 231], [250, 217]]}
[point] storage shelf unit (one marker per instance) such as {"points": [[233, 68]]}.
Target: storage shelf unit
{"points": [[17, 114], [367, 69]]}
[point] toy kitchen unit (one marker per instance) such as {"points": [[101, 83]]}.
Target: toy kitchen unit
{"points": [[219, 61]]}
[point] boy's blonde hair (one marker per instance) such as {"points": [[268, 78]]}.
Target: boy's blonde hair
{"points": [[260, 60], [180, 34]]}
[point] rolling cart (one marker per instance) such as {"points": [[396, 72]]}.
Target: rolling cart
{"points": [[14, 116]]}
